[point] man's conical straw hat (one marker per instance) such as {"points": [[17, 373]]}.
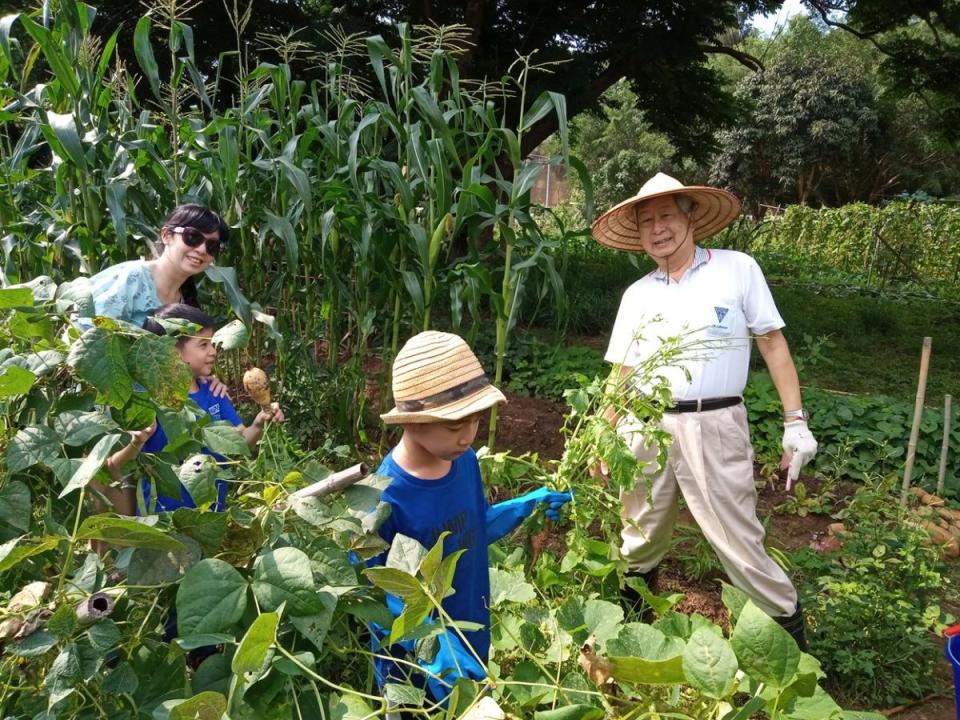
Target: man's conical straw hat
{"points": [[714, 209]]}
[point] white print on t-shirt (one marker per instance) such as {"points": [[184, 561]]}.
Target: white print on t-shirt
{"points": [[214, 411]]}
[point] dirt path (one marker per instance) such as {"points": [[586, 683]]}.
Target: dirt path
{"points": [[531, 425]]}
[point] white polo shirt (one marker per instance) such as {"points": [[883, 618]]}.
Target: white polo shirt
{"points": [[722, 299]]}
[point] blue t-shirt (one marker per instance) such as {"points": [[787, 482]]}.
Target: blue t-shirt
{"points": [[218, 408], [126, 291], [422, 509]]}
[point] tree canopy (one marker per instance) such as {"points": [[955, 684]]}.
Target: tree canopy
{"points": [[661, 47]]}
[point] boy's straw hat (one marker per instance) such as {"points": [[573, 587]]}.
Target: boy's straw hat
{"points": [[618, 228], [437, 377]]}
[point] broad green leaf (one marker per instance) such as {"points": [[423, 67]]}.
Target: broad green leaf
{"points": [[212, 596], [640, 671], [32, 445], [661, 604], [12, 553], [206, 528], [121, 681], [15, 297], [602, 619], [733, 599], [138, 412], [155, 363], [104, 635], [203, 706], [43, 362], [282, 227], [597, 617], [506, 586], [34, 645], [224, 439], [404, 695], [162, 567], [76, 295], [144, 52], [15, 508], [646, 641], [64, 675], [765, 650], [252, 652], [99, 358], [405, 554], [314, 627], [819, 706], [126, 532], [284, 576], [91, 463], [227, 276], [410, 622], [349, 707], [192, 642], [78, 427], [231, 336], [393, 581], [64, 127], [571, 712], [746, 711], [289, 667], [199, 476], [710, 663], [14, 380], [431, 561]]}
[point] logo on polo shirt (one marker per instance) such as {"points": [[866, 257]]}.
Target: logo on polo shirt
{"points": [[723, 327]]}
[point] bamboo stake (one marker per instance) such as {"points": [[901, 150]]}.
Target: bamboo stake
{"points": [[944, 449], [337, 482], [917, 413]]}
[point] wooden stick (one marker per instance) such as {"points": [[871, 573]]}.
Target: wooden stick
{"points": [[944, 449], [337, 482], [917, 413]]}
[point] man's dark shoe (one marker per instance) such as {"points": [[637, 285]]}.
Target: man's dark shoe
{"points": [[794, 624]]}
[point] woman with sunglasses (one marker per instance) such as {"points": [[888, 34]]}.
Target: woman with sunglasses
{"points": [[191, 237]]}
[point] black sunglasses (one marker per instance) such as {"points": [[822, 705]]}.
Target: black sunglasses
{"points": [[194, 238]]}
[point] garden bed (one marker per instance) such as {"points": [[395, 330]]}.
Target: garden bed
{"points": [[533, 425]]}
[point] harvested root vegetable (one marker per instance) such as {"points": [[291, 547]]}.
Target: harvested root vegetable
{"points": [[836, 529], [937, 533], [926, 498], [597, 668], [257, 385]]}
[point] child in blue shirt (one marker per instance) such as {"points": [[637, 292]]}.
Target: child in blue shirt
{"points": [[440, 392], [199, 352]]}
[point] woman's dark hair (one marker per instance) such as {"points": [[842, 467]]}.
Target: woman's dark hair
{"points": [[203, 219], [178, 311]]}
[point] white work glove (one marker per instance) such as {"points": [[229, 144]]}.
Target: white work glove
{"points": [[799, 447]]}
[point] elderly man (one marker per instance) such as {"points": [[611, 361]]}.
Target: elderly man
{"points": [[722, 297]]}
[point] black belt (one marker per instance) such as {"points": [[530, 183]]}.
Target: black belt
{"points": [[684, 406]]}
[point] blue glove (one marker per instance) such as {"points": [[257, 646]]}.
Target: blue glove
{"points": [[453, 660], [507, 515]]}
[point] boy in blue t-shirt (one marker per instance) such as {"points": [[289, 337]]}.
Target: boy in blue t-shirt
{"points": [[199, 352], [440, 392]]}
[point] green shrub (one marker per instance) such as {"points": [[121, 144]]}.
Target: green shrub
{"points": [[872, 604], [861, 436]]}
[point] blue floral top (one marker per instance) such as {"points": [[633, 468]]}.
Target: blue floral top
{"points": [[126, 291]]}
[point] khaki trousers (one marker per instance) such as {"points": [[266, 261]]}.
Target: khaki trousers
{"points": [[711, 463]]}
